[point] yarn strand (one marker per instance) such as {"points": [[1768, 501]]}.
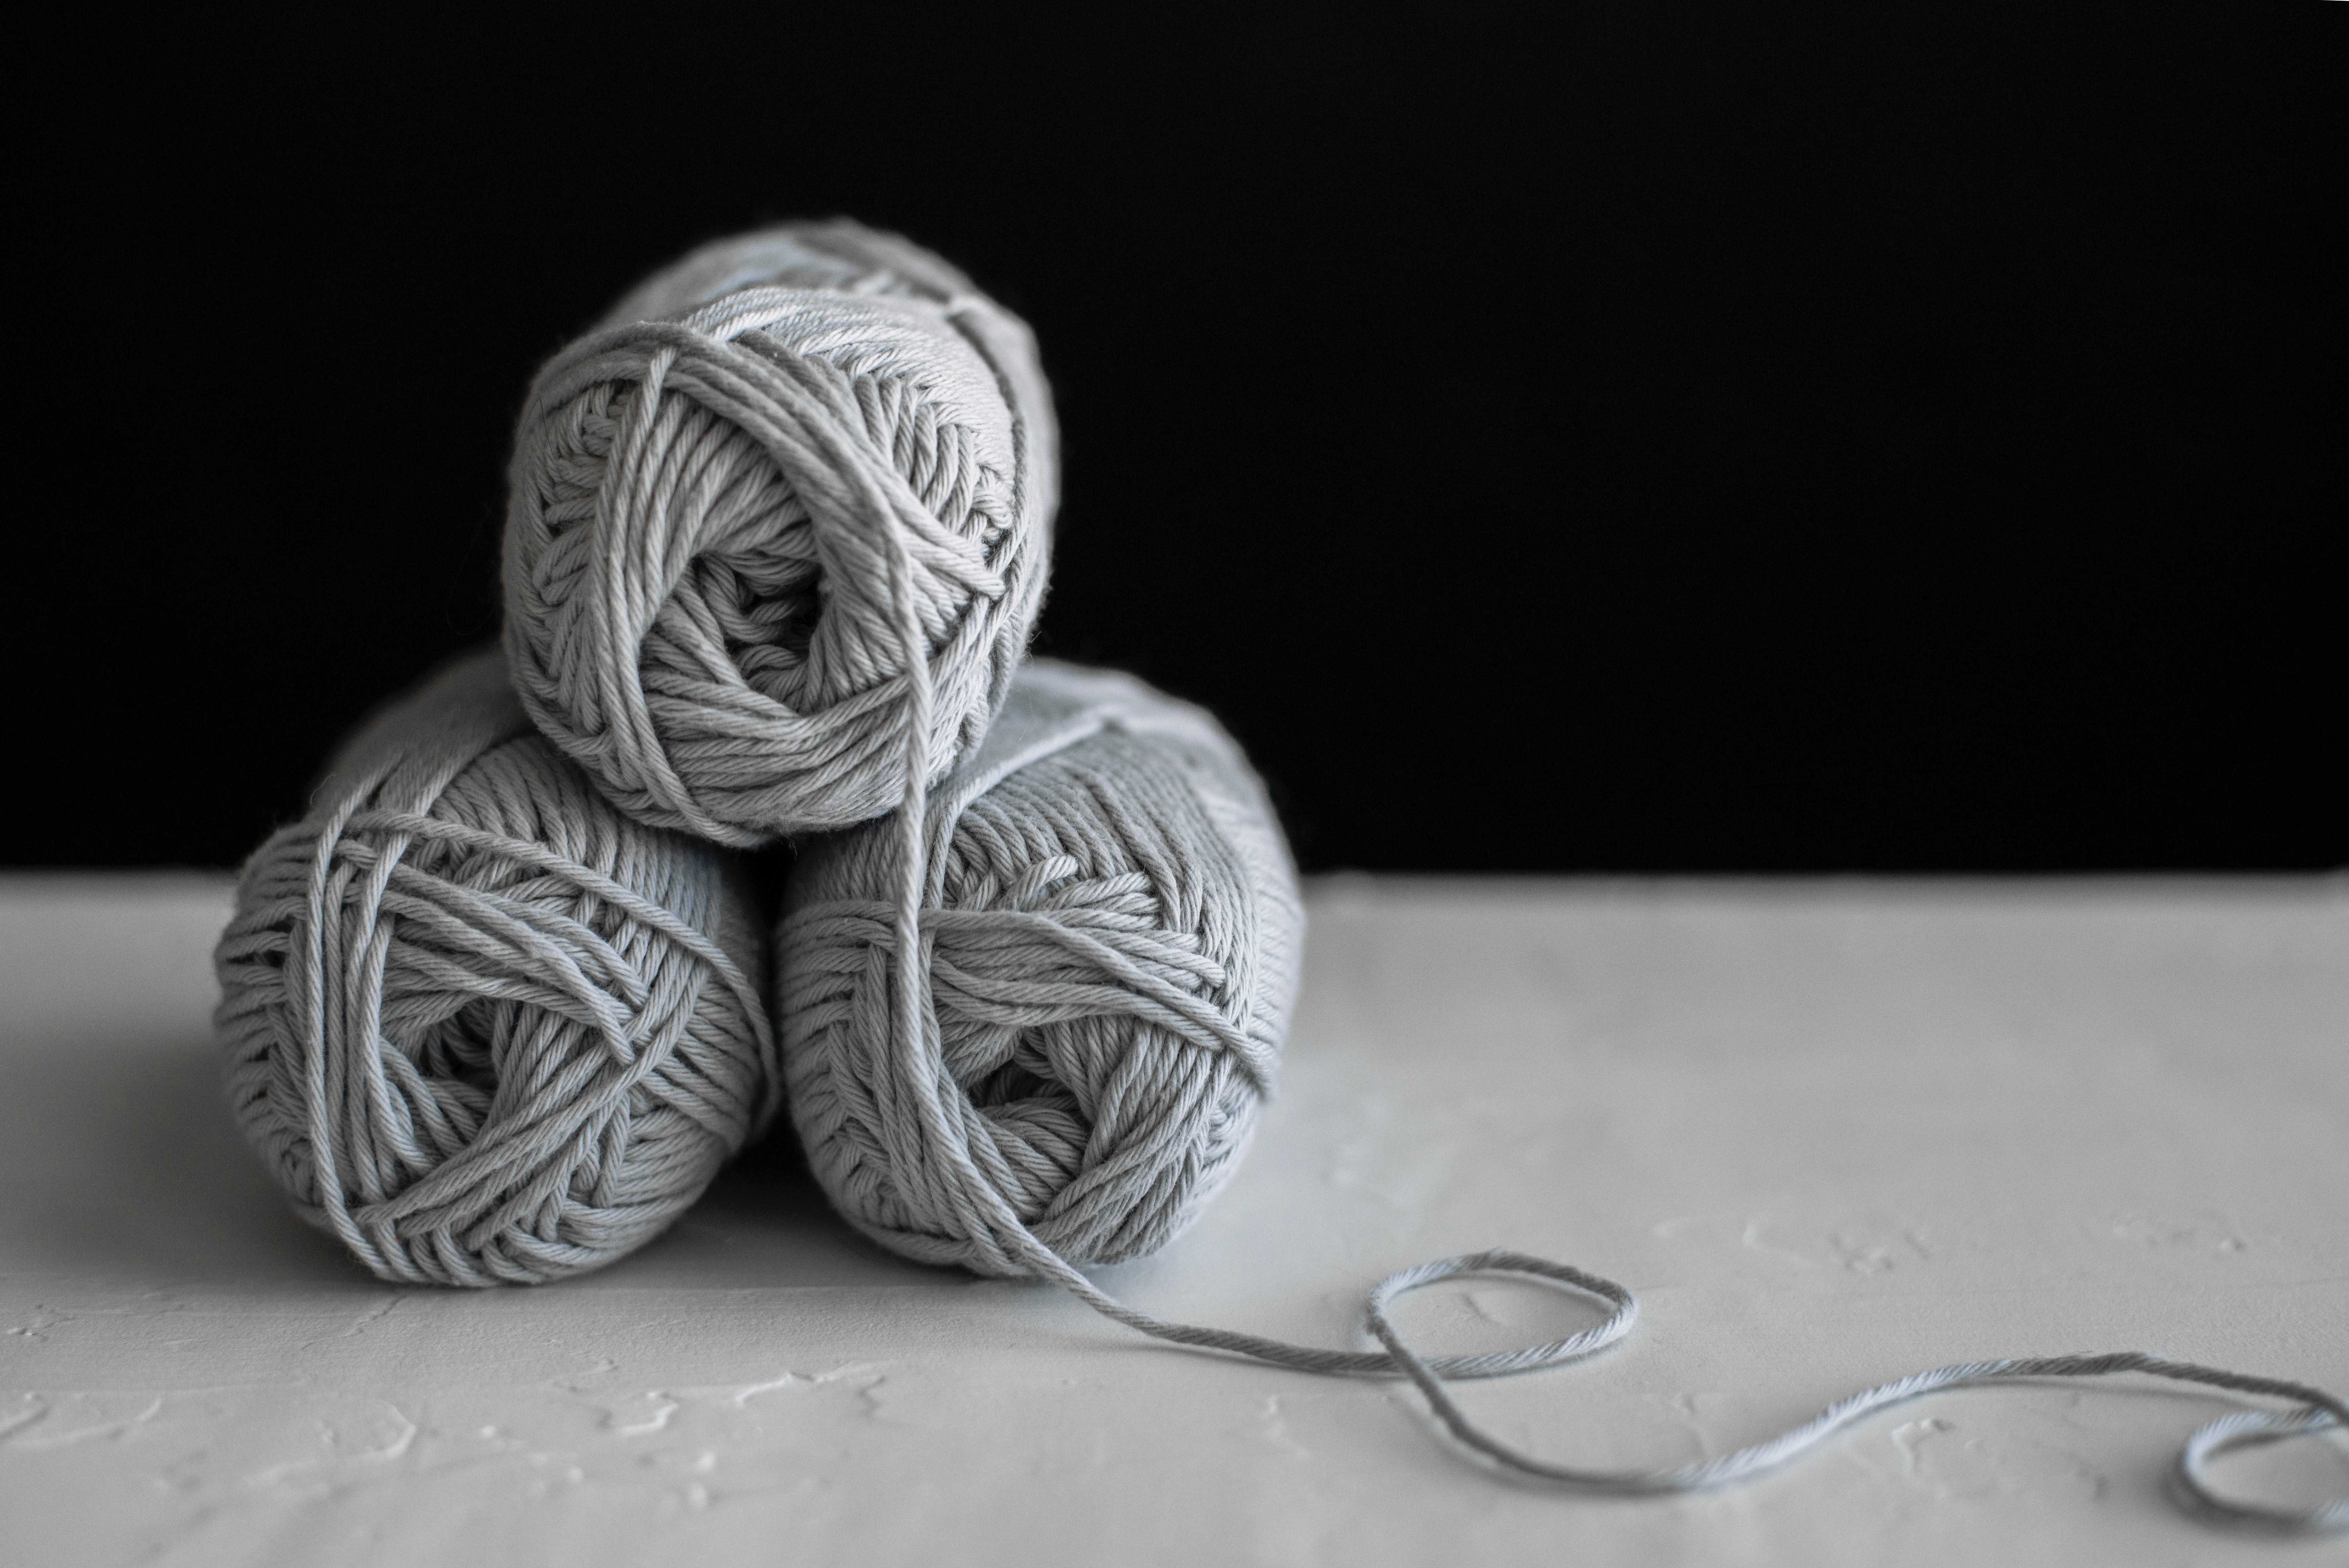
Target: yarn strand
{"points": [[916, 1033], [2318, 1410]]}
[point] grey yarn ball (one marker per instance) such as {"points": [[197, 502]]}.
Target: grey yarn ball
{"points": [[1113, 933], [479, 1024], [777, 473]]}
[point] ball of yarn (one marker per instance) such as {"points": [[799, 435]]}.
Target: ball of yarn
{"points": [[779, 475], [1111, 933], [1030, 1030], [480, 1025]]}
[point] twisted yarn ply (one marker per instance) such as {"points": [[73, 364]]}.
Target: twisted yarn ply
{"points": [[790, 499], [1109, 944], [479, 1024]]}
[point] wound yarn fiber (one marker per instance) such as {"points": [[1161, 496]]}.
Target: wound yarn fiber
{"points": [[1058, 1054], [479, 1023], [1109, 941], [777, 477]]}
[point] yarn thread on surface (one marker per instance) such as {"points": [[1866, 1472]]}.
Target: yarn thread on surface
{"points": [[2316, 1411], [479, 1024], [727, 498], [1109, 945], [1052, 1093]]}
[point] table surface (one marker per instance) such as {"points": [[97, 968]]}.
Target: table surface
{"points": [[1831, 1132]]}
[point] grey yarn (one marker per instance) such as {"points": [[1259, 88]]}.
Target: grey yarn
{"points": [[479, 1024], [1107, 943], [729, 497], [2316, 1411], [778, 531], [1109, 937]]}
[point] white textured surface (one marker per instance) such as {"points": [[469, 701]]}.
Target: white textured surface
{"points": [[1830, 1132]]}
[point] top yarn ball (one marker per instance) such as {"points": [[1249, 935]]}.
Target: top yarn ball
{"points": [[778, 473]]}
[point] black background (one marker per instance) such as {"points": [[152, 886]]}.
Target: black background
{"points": [[1789, 440]]}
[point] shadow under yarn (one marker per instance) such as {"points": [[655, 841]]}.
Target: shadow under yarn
{"points": [[727, 499], [479, 1023]]}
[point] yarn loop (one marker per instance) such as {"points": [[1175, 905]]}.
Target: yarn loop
{"points": [[2316, 1411]]}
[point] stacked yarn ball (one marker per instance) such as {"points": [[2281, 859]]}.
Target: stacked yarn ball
{"points": [[480, 1025], [778, 529], [785, 479], [1111, 930]]}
